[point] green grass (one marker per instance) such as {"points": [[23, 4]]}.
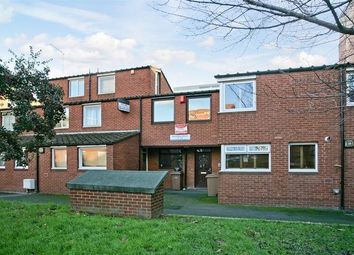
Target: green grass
{"points": [[28, 228]]}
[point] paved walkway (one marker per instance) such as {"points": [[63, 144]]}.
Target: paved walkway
{"points": [[197, 203]]}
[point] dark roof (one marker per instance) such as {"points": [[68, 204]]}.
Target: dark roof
{"points": [[287, 70], [89, 138]]}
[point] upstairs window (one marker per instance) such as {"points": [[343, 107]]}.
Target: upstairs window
{"points": [[92, 115], [163, 110], [106, 84], [350, 89], [65, 122], [238, 96], [76, 87], [8, 119], [199, 108], [303, 157]]}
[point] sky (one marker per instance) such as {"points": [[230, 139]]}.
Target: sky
{"points": [[86, 35]]}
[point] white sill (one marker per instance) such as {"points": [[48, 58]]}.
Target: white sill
{"points": [[239, 110], [246, 171], [21, 168], [76, 96], [106, 93], [91, 126], [92, 168], [59, 168], [2, 167], [303, 171], [58, 128]]}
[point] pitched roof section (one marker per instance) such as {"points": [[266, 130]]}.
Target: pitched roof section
{"points": [[91, 138], [288, 70]]}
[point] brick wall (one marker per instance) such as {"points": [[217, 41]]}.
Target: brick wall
{"points": [[279, 120], [349, 158], [118, 203], [126, 154]]}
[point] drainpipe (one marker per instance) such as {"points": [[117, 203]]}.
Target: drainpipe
{"points": [[89, 86], [342, 136], [140, 128], [37, 171]]}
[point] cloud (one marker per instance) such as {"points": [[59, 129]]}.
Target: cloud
{"points": [[301, 59], [74, 18], [164, 56], [6, 12], [75, 54], [208, 42]]}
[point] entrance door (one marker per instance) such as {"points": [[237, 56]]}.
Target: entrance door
{"points": [[202, 166]]}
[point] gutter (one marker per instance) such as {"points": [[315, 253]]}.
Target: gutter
{"points": [[140, 128], [342, 80]]}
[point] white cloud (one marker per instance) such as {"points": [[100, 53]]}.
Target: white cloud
{"points": [[6, 12], [74, 18], [300, 59], [164, 56], [73, 54], [208, 42]]}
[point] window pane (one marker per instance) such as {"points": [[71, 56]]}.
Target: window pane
{"points": [[64, 123], [8, 119], [199, 108], [163, 110], [239, 96], [59, 158], [262, 161], [171, 159], [2, 162], [92, 116], [247, 161], [76, 87], [350, 85], [93, 157], [233, 161], [106, 84], [302, 156]]}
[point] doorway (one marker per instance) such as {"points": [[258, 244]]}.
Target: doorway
{"points": [[202, 167]]}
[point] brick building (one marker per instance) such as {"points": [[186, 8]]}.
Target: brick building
{"points": [[274, 137]]}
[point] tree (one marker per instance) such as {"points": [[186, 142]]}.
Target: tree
{"points": [[36, 104], [309, 22]]}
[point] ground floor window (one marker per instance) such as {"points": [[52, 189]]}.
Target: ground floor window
{"points": [[246, 158], [2, 161], [93, 157], [303, 157], [59, 158], [171, 159], [22, 164]]}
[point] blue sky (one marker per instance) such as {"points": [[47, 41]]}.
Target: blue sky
{"points": [[105, 35]]}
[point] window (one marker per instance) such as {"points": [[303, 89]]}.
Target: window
{"points": [[238, 96], [164, 110], [2, 162], [8, 119], [76, 87], [246, 158], [106, 84], [65, 122], [59, 158], [350, 89], [171, 159], [19, 165], [303, 157], [157, 83], [199, 108], [94, 157], [92, 115]]}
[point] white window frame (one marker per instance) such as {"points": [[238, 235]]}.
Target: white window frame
{"points": [[81, 167], [53, 157], [301, 170], [153, 110], [83, 115], [222, 96], [99, 92], [348, 101], [68, 121], [2, 119], [73, 79], [4, 166], [244, 150]]}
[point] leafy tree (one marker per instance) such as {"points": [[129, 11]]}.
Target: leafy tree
{"points": [[36, 104]]}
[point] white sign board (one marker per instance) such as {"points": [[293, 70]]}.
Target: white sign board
{"points": [[180, 137]]}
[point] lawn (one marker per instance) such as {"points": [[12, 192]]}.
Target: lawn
{"points": [[28, 228]]}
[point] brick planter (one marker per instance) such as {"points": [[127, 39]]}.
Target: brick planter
{"points": [[118, 193]]}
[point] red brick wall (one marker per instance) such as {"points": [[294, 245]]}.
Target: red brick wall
{"points": [[126, 154], [279, 120], [349, 158], [202, 133], [118, 203]]}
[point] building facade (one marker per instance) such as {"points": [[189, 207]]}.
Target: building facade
{"points": [[281, 137]]}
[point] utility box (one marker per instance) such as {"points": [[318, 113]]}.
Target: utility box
{"points": [[212, 183], [29, 184], [176, 180]]}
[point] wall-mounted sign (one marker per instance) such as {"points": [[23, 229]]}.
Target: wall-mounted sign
{"points": [[180, 137], [123, 105], [4, 103], [181, 129], [349, 143]]}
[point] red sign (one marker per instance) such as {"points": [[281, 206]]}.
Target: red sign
{"points": [[181, 129]]}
